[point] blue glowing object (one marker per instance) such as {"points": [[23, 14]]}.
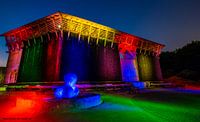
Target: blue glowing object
{"points": [[59, 92], [87, 101], [139, 85], [69, 90], [70, 79]]}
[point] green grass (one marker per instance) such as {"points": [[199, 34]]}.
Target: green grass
{"points": [[151, 106], [123, 109]]}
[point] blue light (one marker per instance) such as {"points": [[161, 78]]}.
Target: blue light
{"points": [[69, 90], [70, 79], [139, 85], [59, 92], [129, 70]]}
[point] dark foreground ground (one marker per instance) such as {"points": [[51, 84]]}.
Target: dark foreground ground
{"points": [[160, 105]]}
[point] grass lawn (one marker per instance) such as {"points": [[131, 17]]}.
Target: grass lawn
{"points": [[153, 105]]}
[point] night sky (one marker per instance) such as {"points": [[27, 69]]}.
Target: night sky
{"points": [[170, 22]]}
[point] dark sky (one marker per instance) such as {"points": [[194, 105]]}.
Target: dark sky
{"points": [[170, 22]]}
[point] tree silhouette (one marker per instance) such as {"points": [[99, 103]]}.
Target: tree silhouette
{"points": [[2, 74], [184, 61]]}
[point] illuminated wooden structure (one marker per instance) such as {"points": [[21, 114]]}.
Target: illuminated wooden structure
{"points": [[41, 43]]}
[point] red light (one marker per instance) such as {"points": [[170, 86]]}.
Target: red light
{"points": [[23, 104], [126, 42]]}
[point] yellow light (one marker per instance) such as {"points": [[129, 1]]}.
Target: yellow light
{"points": [[59, 26]]}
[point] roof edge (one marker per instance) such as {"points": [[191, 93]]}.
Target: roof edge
{"points": [[62, 13], [29, 23]]}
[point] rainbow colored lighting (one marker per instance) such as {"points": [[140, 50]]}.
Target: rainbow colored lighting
{"points": [[62, 43]]}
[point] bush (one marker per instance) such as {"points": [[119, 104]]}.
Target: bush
{"points": [[189, 74], [183, 62], [1, 77]]}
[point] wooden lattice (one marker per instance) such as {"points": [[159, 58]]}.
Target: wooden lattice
{"points": [[64, 22]]}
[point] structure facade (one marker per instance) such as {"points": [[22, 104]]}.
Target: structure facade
{"points": [[48, 48]]}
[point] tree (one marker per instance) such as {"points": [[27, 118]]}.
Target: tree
{"points": [[1, 77], [182, 60]]}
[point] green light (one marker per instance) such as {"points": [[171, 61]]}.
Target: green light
{"points": [[145, 66], [31, 66], [2, 88], [122, 109]]}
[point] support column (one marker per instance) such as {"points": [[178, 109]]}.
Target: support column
{"points": [[59, 54], [146, 67], [157, 68], [129, 68], [109, 63], [13, 66], [53, 60]]}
